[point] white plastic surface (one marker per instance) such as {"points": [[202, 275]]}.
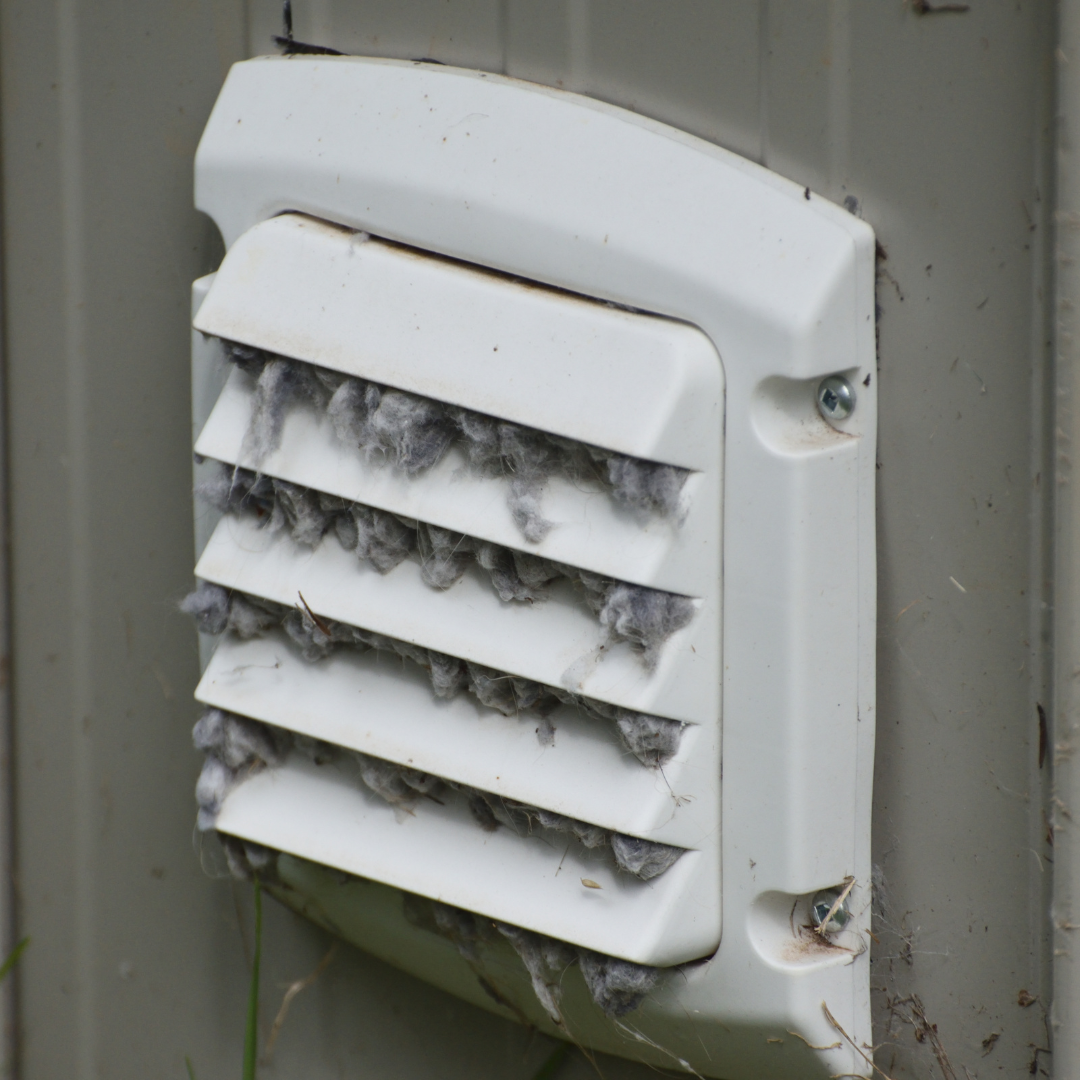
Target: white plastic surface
{"points": [[613, 378], [440, 852], [640, 385], [208, 375], [580, 195], [592, 531], [557, 641], [386, 708]]}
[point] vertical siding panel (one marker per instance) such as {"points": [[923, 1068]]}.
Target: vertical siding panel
{"points": [[538, 42], [798, 62], [694, 65], [947, 114], [935, 125], [33, 262]]}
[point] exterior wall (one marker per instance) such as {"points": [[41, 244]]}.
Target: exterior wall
{"points": [[937, 126]]}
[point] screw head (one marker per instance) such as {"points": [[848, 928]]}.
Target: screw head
{"points": [[835, 398], [820, 907]]}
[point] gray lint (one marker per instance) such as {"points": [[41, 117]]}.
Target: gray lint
{"points": [[653, 740], [238, 740], [647, 484], [643, 858], [644, 618], [545, 960], [414, 432], [463, 928], [617, 986], [215, 782], [444, 555], [237, 746], [247, 860], [216, 610], [280, 384]]}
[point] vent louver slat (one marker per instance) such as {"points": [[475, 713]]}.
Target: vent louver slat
{"points": [[369, 703], [592, 532], [642, 616], [239, 745], [558, 641], [324, 814], [312, 291]]}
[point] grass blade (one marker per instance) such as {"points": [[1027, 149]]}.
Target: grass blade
{"points": [[251, 1032], [551, 1065], [190, 1068], [13, 958]]}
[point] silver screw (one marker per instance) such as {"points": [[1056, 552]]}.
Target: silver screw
{"points": [[820, 907], [835, 398]]}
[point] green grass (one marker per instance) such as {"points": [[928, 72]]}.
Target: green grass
{"points": [[13, 958], [547, 1070], [552, 1064], [251, 1033], [251, 1028]]}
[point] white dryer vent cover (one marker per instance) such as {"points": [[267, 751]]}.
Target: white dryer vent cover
{"points": [[540, 584]]}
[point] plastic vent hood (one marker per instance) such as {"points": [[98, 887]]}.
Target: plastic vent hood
{"points": [[558, 266]]}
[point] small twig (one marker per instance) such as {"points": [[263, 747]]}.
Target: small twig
{"points": [[287, 1000], [838, 903], [854, 1045], [831, 1046], [324, 627], [905, 610], [1033, 1068], [929, 1031], [497, 995]]}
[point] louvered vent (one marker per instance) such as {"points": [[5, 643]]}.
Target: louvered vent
{"points": [[516, 491], [602, 434]]}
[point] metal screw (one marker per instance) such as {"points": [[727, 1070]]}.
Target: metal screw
{"points": [[836, 398], [820, 907]]}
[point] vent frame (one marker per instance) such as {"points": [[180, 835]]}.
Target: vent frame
{"points": [[782, 284]]}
